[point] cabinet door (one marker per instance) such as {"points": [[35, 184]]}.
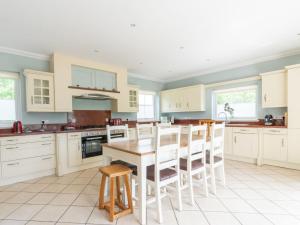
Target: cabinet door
{"points": [[83, 77], [74, 152], [275, 147], [228, 141], [40, 93], [245, 145], [294, 146], [133, 100], [104, 79], [274, 91], [293, 98]]}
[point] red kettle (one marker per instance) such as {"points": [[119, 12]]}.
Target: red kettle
{"points": [[17, 127]]}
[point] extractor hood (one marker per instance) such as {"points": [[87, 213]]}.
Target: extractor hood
{"points": [[94, 97]]}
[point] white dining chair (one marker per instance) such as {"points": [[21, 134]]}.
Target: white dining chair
{"points": [[215, 154], [194, 162], [145, 130], [166, 169], [124, 136], [122, 130], [164, 125]]}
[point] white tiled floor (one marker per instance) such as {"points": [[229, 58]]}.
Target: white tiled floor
{"points": [[253, 195]]}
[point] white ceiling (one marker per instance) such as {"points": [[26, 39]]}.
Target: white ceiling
{"points": [[171, 39]]}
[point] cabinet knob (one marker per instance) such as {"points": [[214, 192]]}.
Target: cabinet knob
{"points": [[265, 97]]}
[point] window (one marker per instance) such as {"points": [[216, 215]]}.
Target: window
{"points": [[146, 105], [8, 84], [237, 103]]}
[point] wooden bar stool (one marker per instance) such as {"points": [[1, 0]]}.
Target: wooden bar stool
{"points": [[113, 172]]}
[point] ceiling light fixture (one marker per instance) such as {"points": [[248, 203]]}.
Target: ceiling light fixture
{"points": [[181, 47], [207, 60], [132, 25], [96, 50], [141, 63]]}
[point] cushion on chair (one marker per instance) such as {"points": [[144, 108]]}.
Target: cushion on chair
{"points": [[131, 166], [164, 174], [216, 158], [196, 164]]}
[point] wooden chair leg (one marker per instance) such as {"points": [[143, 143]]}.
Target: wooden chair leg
{"points": [[112, 200], [191, 188], [222, 170], [205, 183], [128, 192], [158, 203], [101, 192], [213, 180]]}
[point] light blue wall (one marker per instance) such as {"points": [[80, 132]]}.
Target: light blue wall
{"points": [[17, 64], [233, 74]]}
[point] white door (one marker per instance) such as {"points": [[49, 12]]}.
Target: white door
{"points": [[74, 152], [275, 147], [245, 145], [274, 91]]}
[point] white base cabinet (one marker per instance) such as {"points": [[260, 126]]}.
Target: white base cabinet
{"points": [[294, 146], [275, 144], [245, 142], [26, 157]]}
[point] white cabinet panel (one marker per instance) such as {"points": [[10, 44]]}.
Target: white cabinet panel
{"points": [[246, 144], [27, 166], [74, 152], [274, 89], [187, 99], [228, 141], [275, 147], [132, 133], [27, 150], [294, 146], [293, 80]]}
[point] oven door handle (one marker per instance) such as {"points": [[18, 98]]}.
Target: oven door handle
{"points": [[95, 138]]}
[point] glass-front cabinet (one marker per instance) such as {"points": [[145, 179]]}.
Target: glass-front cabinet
{"points": [[39, 91], [93, 78], [133, 99]]}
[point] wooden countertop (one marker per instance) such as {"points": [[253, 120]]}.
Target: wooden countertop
{"points": [[146, 146]]}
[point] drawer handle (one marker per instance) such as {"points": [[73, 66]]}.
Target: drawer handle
{"points": [[46, 137], [47, 158], [277, 131], [12, 148], [47, 144], [243, 130], [13, 164], [11, 140]]}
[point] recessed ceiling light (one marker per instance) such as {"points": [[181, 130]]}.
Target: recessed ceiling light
{"points": [[96, 50], [170, 71], [132, 25], [298, 34], [141, 63], [207, 60], [181, 47]]}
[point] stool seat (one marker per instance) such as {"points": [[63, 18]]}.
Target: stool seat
{"points": [[115, 170], [131, 166]]}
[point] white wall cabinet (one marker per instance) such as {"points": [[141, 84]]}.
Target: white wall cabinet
{"points": [[274, 89], [74, 149], [245, 142], [133, 101], [39, 91], [275, 144], [187, 99]]}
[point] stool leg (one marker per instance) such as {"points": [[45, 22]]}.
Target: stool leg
{"points": [[119, 194], [112, 200], [128, 191], [101, 192]]}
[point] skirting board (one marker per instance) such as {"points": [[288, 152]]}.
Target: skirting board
{"points": [[281, 164], [242, 159], [12, 180]]}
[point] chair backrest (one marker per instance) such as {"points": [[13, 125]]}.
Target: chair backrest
{"points": [[217, 140], [145, 130], [196, 143], [169, 124], [112, 130], [167, 149]]}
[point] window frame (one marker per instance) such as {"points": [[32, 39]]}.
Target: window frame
{"points": [[143, 92], [16, 77], [240, 88]]}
